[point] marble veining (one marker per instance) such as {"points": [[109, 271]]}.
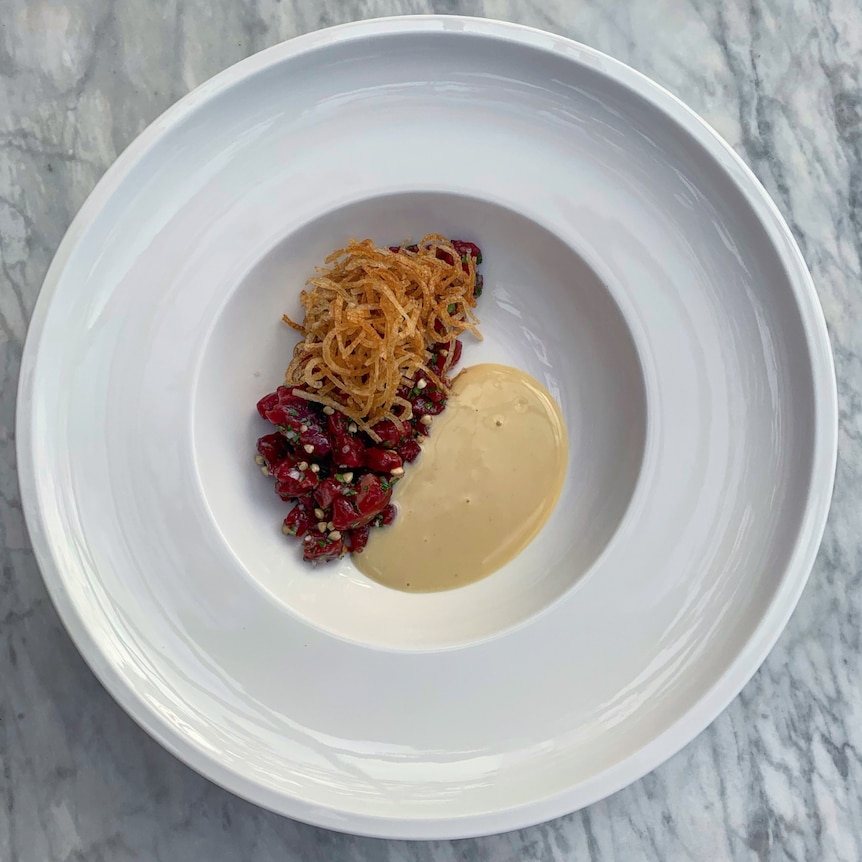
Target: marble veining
{"points": [[779, 775]]}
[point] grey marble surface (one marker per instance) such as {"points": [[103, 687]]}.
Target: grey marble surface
{"points": [[779, 775]]}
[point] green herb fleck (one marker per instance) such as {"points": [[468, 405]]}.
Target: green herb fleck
{"points": [[451, 308], [287, 432]]}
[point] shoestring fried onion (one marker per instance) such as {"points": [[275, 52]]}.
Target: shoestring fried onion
{"points": [[372, 316]]}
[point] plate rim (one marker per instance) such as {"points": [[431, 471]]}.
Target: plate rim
{"points": [[737, 673]]}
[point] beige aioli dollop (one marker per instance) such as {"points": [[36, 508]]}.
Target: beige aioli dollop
{"points": [[489, 476]]}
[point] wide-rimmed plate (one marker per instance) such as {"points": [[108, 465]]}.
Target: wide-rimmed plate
{"points": [[634, 265]]}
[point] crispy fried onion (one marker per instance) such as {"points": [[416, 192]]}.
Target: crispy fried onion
{"points": [[371, 318]]}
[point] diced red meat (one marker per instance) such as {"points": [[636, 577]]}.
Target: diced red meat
{"points": [[432, 393], [388, 432], [344, 515], [356, 540], [463, 247], [327, 491], [330, 449], [312, 441], [423, 406], [322, 549], [267, 403], [372, 495], [348, 451], [444, 255], [386, 517], [382, 460], [273, 449], [292, 482], [410, 450], [298, 522]]}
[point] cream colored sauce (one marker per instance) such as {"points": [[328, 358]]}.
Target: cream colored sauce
{"points": [[489, 475]]}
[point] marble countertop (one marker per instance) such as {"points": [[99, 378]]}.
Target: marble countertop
{"points": [[778, 775]]}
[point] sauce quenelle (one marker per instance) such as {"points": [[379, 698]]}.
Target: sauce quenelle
{"points": [[489, 476]]}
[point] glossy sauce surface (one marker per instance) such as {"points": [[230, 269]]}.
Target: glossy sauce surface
{"points": [[489, 476]]}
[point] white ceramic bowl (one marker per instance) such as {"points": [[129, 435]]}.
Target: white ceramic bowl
{"points": [[634, 265], [548, 313]]}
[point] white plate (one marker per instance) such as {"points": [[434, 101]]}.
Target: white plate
{"points": [[633, 264]]}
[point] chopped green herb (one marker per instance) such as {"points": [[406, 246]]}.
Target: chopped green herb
{"points": [[479, 260], [450, 308]]}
